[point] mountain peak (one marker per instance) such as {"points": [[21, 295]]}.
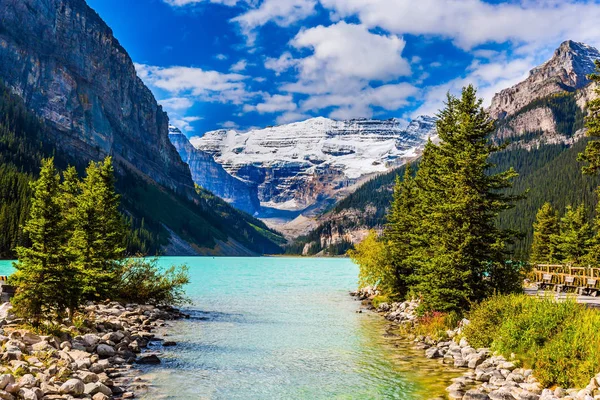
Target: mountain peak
{"points": [[575, 58], [173, 130], [566, 71]]}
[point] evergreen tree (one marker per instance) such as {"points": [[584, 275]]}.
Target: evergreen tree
{"points": [[400, 230], [591, 154], [546, 228], [575, 237], [70, 190], [46, 279], [461, 252], [99, 232]]}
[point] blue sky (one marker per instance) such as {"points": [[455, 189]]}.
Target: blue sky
{"points": [[252, 63]]}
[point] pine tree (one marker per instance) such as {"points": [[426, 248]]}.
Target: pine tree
{"points": [[591, 154], [99, 231], [575, 237], [546, 227], [70, 190], [400, 230], [47, 280], [461, 252]]}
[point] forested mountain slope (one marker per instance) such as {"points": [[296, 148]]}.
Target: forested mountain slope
{"points": [[541, 118], [74, 92]]}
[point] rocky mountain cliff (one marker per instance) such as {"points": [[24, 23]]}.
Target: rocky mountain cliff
{"points": [[566, 71], [548, 106], [543, 119], [212, 176], [299, 166], [65, 65], [63, 60]]}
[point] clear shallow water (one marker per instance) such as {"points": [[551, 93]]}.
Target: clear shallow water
{"points": [[284, 328]]}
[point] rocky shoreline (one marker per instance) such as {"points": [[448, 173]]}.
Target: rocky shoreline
{"points": [[487, 375], [95, 360]]}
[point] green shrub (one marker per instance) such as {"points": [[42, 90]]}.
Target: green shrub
{"points": [[572, 356], [143, 282], [436, 324], [373, 258], [559, 340]]}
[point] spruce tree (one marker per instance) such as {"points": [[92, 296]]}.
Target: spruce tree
{"points": [[400, 230], [575, 237], [460, 251], [545, 229], [591, 154], [99, 231], [46, 279]]}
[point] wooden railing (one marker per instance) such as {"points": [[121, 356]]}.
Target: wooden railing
{"points": [[566, 278]]}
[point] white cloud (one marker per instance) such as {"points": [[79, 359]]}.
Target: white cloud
{"points": [[360, 104], [346, 61], [488, 76], [221, 57], [273, 104], [473, 22], [281, 12], [195, 82], [290, 117], [184, 123], [176, 103], [229, 125], [239, 66], [281, 64], [350, 50]]}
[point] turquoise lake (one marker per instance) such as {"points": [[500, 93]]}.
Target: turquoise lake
{"points": [[284, 328]]}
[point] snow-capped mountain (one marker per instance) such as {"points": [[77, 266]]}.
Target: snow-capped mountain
{"points": [[298, 165], [211, 176]]}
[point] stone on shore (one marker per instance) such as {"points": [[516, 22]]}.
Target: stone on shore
{"points": [[105, 351], [149, 359], [73, 387]]}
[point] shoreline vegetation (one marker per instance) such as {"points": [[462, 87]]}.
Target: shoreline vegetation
{"points": [[83, 311], [449, 279], [511, 346]]}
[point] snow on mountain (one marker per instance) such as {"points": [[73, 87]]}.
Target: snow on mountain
{"points": [[211, 176], [294, 166]]}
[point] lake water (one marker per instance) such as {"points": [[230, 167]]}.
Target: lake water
{"points": [[284, 328]]}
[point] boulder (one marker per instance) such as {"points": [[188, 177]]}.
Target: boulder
{"points": [[74, 387], [5, 379], [149, 359], [97, 387], [27, 394], [105, 351], [28, 381], [475, 394]]}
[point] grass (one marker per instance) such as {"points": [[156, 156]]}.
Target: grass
{"points": [[559, 340]]}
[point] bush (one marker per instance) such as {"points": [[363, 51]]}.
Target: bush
{"points": [[142, 281], [559, 340], [435, 324], [375, 269]]}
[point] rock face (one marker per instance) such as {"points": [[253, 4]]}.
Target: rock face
{"points": [[213, 177], [63, 60], [532, 113], [295, 166], [566, 71]]}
